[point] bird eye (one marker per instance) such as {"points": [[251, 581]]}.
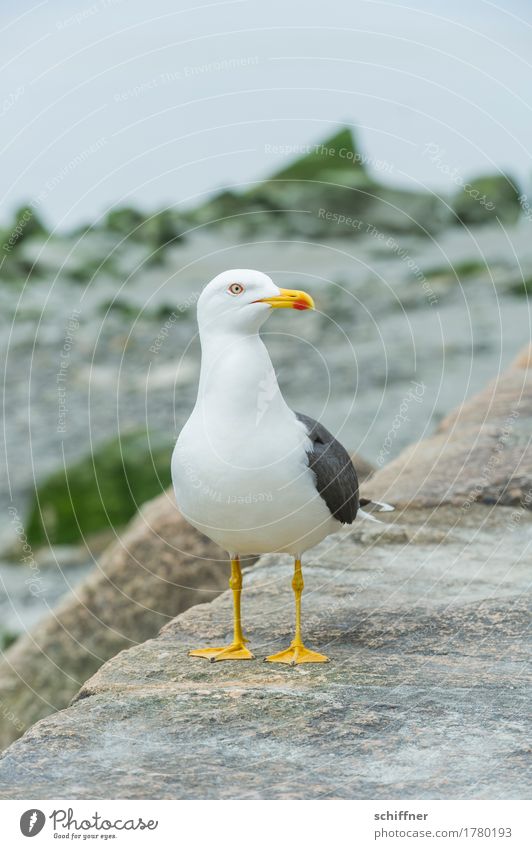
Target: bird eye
{"points": [[235, 289]]}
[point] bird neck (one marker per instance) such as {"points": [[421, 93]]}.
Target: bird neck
{"points": [[237, 379]]}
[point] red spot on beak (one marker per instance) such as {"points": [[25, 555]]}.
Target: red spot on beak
{"points": [[300, 305]]}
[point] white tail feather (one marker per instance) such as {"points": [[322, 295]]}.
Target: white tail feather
{"points": [[364, 515], [384, 508]]}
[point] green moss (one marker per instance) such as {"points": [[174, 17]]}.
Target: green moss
{"points": [[88, 269], [523, 288], [486, 198], [7, 638], [102, 490], [123, 220], [460, 269], [339, 152], [166, 311], [468, 268], [120, 307], [26, 223], [158, 230]]}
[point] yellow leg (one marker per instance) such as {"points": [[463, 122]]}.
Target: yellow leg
{"points": [[297, 652], [237, 649]]}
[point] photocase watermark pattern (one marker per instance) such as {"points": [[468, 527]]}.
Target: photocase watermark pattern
{"points": [[517, 515], [328, 611], [207, 490], [413, 396], [389, 241], [494, 461], [27, 215], [435, 154], [341, 219], [17, 231], [10, 100], [83, 14], [10, 716], [187, 72], [34, 581], [346, 154], [171, 321], [64, 366], [267, 390], [77, 19], [525, 206], [394, 246], [353, 157], [77, 160]]}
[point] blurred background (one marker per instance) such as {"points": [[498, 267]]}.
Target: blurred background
{"points": [[373, 153]]}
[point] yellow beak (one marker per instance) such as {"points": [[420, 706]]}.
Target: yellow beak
{"points": [[289, 299]]}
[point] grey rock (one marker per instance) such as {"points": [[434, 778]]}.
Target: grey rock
{"points": [[157, 568], [481, 452], [425, 621], [424, 696], [485, 198]]}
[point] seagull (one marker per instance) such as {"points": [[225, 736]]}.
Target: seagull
{"points": [[249, 472]]}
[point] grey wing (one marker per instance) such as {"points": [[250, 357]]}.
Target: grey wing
{"points": [[336, 478]]}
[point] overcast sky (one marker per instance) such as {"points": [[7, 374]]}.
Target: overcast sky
{"points": [[157, 103]]}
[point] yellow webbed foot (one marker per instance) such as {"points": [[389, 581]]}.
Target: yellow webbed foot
{"points": [[296, 654], [236, 651]]}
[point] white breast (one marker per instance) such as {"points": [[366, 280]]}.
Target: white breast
{"points": [[239, 468]]}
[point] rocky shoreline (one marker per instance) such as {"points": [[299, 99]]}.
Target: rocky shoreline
{"points": [[107, 312], [425, 620]]}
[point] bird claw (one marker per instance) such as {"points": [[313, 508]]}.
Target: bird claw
{"points": [[295, 655], [236, 651]]}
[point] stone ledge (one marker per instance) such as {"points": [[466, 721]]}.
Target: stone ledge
{"points": [[425, 620], [482, 451], [424, 696]]}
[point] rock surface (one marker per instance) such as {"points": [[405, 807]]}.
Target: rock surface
{"points": [[481, 452], [495, 195], [424, 696], [101, 491], [156, 569], [425, 621]]}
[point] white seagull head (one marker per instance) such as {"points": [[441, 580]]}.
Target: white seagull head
{"points": [[241, 299]]}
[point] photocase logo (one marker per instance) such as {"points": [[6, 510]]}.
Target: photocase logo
{"points": [[32, 822], [268, 389]]}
